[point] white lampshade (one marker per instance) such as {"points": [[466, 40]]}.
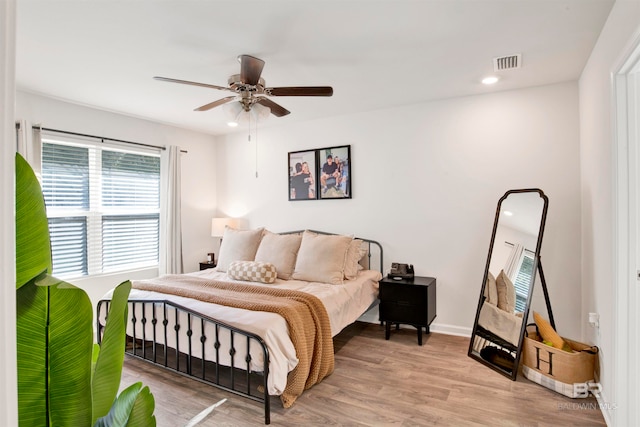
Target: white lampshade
{"points": [[218, 225]]}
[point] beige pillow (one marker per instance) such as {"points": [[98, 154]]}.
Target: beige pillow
{"points": [[354, 255], [238, 245], [321, 258], [364, 261], [491, 290], [506, 293], [280, 250]]}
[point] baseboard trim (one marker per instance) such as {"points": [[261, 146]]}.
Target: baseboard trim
{"points": [[606, 408], [451, 330], [372, 317]]}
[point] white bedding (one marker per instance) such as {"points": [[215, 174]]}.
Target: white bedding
{"points": [[505, 325], [344, 304]]}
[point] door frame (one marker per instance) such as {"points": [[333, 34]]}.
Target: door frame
{"points": [[626, 132]]}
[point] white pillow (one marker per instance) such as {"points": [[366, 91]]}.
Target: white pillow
{"points": [[354, 255], [253, 271], [280, 250], [238, 245], [321, 258]]}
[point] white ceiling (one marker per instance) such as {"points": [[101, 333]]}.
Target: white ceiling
{"points": [[376, 54], [526, 210]]}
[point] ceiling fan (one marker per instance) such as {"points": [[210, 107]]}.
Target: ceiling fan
{"points": [[250, 88]]}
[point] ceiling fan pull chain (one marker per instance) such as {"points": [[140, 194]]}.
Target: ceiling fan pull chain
{"points": [[256, 149], [255, 142]]}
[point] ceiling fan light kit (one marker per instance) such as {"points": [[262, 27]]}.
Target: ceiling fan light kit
{"points": [[237, 114], [251, 92]]}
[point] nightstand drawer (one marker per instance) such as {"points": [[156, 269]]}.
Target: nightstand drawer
{"points": [[403, 312], [403, 294]]}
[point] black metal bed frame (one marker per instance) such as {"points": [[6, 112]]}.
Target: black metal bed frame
{"points": [[180, 359], [208, 369]]}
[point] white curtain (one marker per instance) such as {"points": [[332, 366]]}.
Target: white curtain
{"points": [[21, 137], [29, 144], [513, 262], [170, 213]]}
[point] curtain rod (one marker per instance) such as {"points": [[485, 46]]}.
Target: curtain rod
{"points": [[102, 138], [512, 244]]}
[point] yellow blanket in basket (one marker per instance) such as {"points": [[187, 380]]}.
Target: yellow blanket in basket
{"points": [[307, 319]]}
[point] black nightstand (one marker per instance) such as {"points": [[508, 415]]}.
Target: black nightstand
{"points": [[204, 265], [411, 302]]}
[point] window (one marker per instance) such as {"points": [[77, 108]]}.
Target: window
{"points": [[103, 205], [523, 280]]}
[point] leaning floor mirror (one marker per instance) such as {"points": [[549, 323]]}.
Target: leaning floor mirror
{"points": [[507, 285]]}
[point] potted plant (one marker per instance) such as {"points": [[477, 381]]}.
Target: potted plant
{"points": [[64, 379]]}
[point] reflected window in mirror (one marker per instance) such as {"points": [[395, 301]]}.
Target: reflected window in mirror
{"points": [[523, 279]]}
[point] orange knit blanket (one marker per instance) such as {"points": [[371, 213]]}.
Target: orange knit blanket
{"points": [[308, 321]]}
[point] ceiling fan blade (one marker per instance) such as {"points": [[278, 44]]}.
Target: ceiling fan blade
{"points": [[185, 82], [215, 103], [300, 91], [276, 110], [250, 69]]}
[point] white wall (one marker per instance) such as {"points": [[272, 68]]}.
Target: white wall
{"points": [[198, 171], [598, 172], [426, 182]]}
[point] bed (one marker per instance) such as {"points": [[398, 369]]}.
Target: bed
{"points": [[210, 326], [503, 324]]}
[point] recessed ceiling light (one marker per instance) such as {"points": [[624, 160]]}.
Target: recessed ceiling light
{"points": [[508, 213], [232, 124], [490, 80]]}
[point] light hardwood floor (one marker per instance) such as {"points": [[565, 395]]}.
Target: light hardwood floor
{"points": [[380, 383]]}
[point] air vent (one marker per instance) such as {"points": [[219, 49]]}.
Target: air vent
{"points": [[509, 62]]}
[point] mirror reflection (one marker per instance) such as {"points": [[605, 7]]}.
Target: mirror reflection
{"points": [[508, 280]]}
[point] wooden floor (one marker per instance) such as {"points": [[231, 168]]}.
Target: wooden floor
{"points": [[380, 383]]}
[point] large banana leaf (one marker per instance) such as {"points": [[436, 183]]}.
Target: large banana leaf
{"points": [[108, 368], [33, 247], [133, 408], [135, 405], [54, 322]]}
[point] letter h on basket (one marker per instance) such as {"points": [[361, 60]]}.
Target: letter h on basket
{"points": [[549, 362]]}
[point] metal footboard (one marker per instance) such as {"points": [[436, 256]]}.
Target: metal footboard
{"points": [[191, 352]]}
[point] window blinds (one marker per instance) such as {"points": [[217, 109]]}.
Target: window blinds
{"points": [[103, 205], [523, 280]]}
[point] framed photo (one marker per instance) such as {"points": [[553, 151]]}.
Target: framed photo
{"points": [[302, 175], [334, 172]]}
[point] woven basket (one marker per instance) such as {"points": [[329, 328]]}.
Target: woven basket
{"points": [[561, 371]]}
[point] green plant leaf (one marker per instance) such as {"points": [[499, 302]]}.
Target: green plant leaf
{"points": [[133, 407], [33, 247], [108, 367], [54, 340], [142, 412], [94, 357], [31, 331]]}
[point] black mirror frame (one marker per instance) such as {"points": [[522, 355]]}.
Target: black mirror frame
{"points": [[536, 268]]}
